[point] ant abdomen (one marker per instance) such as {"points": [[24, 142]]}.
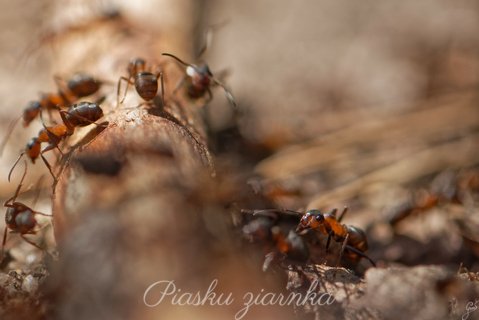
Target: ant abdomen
{"points": [[83, 114], [357, 238], [82, 85], [146, 84], [21, 218]]}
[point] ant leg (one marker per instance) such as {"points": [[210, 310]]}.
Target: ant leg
{"points": [[341, 216], [266, 213], [328, 242], [128, 82], [31, 242], [162, 81], [12, 199], [255, 212], [333, 212], [228, 93], [60, 150], [345, 241], [4, 242], [362, 254], [48, 166], [42, 214], [14, 165], [268, 259]]}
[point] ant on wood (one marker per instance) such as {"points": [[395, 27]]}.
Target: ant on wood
{"points": [[198, 80], [354, 240], [79, 86], [77, 115], [20, 218], [146, 82]]}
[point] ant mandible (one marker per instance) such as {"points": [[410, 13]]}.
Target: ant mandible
{"points": [[354, 240], [78, 115], [79, 86], [146, 82], [199, 79], [20, 218]]}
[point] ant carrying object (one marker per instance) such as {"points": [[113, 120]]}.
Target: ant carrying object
{"points": [[77, 115], [79, 86], [354, 240], [146, 82], [198, 80], [20, 218]]}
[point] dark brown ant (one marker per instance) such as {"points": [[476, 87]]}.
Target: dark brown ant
{"points": [[354, 240], [79, 86], [199, 80], [146, 82], [77, 115], [270, 226], [20, 218]]}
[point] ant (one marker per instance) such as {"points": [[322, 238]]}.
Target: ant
{"points": [[20, 218], [79, 86], [78, 115], [199, 79], [146, 82], [270, 226], [354, 240], [446, 187]]}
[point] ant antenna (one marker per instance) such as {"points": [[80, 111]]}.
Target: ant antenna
{"points": [[179, 60], [15, 164], [343, 213], [19, 186], [162, 89]]}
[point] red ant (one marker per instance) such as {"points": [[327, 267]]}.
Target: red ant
{"points": [[20, 218], [78, 115], [199, 79], [146, 83], [79, 86], [354, 240]]}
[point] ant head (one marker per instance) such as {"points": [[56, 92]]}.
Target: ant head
{"points": [[312, 219], [31, 112], [200, 76], [33, 149], [136, 65], [83, 85]]}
